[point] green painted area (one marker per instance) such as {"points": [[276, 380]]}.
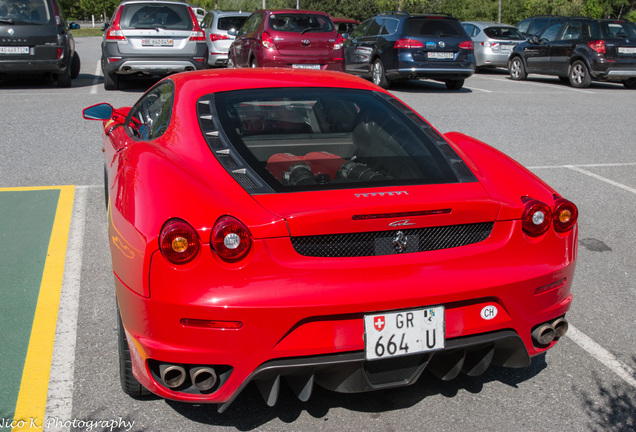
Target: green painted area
{"points": [[26, 223]]}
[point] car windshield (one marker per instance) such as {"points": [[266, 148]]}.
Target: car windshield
{"points": [[231, 22], [330, 138], [152, 16], [435, 27], [24, 12], [505, 33], [300, 22]]}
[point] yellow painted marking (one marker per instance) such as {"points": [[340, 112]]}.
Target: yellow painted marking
{"points": [[31, 403]]}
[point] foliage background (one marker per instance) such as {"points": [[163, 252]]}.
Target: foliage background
{"points": [[512, 11]]}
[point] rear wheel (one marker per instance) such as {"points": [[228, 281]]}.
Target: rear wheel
{"points": [[75, 65], [64, 78], [454, 84], [253, 63], [579, 75], [129, 383], [111, 81], [630, 83], [378, 75], [517, 69]]}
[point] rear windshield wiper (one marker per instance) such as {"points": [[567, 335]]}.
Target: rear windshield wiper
{"points": [[7, 20], [310, 29]]}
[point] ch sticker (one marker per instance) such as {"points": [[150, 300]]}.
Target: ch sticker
{"points": [[489, 312]]}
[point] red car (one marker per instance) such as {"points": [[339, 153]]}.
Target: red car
{"points": [[288, 38], [308, 225]]}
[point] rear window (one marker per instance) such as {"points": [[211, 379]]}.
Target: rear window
{"points": [[329, 138], [24, 12], [300, 23], [618, 29], [504, 33], [434, 27], [152, 16], [231, 22]]}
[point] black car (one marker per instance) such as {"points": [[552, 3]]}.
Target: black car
{"points": [[35, 39], [395, 45], [578, 50]]}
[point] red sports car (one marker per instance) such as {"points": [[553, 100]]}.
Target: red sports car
{"points": [[309, 226]]}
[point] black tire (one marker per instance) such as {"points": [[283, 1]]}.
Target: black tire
{"points": [[630, 83], [579, 75], [76, 65], [129, 383], [253, 63], [564, 80], [64, 78], [454, 84], [111, 81], [517, 69], [106, 187], [230, 62], [378, 75]]}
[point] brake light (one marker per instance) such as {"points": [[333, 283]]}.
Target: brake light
{"points": [[267, 41], [598, 46], [114, 32], [56, 14], [197, 33], [469, 45], [179, 242], [565, 215], [339, 43], [536, 217], [408, 43], [216, 37], [230, 239]]}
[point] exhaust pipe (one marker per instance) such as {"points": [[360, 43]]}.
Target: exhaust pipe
{"points": [[172, 375], [543, 334], [203, 377], [560, 326]]}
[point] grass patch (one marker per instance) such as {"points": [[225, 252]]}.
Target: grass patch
{"points": [[88, 31]]}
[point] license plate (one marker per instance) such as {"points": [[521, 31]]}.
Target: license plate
{"points": [[441, 55], [306, 66], [507, 47], [156, 42], [14, 50], [626, 50], [404, 332]]}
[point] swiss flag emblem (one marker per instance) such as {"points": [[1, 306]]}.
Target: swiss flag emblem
{"points": [[378, 323]]}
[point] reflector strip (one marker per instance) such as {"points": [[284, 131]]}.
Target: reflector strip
{"points": [[402, 214]]}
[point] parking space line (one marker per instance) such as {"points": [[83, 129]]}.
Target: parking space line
{"points": [[602, 355], [31, 401], [59, 404], [98, 73], [539, 84], [601, 178]]}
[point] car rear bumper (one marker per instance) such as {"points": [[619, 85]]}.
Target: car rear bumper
{"points": [[32, 64], [116, 62], [441, 74], [303, 317], [487, 58]]}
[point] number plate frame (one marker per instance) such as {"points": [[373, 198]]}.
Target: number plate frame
{"points": [[306, 66], [404, 332], [14, 50], [440, 55], [626, 50], [157, 42]]}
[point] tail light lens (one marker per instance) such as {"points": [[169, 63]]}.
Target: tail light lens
{"points": [[216, 37], [339, 43], [408, 43], [469, 45], [230, 239], [267, 41], [197, 34], [598, 46], [565, 215], [536, 217], [115, 33], [179, 242]]}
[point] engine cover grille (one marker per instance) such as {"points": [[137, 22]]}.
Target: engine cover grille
{"points": [[392, 242]]}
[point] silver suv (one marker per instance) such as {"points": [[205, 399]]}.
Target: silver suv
{"points": [[151, 38], [216, 25]]}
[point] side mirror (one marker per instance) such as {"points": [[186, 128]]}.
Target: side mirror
{"points": [[73, 25], [232, 32], [102, 111], [534, 39]]}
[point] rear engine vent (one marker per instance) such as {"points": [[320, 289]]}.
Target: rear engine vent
{"points": [[392, 242]]}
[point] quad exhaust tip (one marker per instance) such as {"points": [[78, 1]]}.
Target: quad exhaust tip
{"points": [[203, 377], [172, 375], [545, 333]]}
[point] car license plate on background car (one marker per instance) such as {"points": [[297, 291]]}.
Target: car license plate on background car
{"points": [[393, 334], [14, 50], [156, 42], [441, 55], [626, 50], [306, 66]]}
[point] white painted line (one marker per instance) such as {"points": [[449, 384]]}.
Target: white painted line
{"points": [[603, 179], [98, 73], [601, 354], [59, 403], [542, 84], [478, 89], [601, 165]]}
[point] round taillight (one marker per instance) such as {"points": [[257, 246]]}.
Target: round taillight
{"points": [[179, 242], [230, 239], [565, 215], [536, 218]]}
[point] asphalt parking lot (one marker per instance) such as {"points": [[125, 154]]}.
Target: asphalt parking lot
{"points": [[580, 141]]}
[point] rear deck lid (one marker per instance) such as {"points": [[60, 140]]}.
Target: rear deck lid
{"points": [[302, 34], [440, 37]]}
